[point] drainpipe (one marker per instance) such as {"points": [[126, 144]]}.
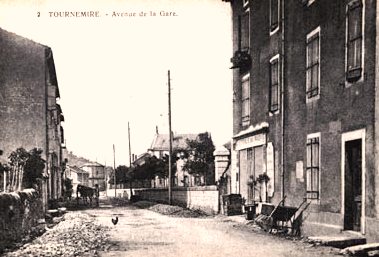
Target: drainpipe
{"points": [[282, 98]]}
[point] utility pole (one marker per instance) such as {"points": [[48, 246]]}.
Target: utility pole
{"points": [[114, 168], [130, 158], [130, 162], [106, 178], [170, 143]]}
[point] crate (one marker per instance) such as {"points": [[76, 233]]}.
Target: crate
{"points": [[232, 204]]}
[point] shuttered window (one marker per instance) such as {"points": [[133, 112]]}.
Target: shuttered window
{"points": [[313, 167], [313, 64], [354, 41]]}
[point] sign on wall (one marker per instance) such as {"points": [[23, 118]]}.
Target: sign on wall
{"points": [[249, 142]]}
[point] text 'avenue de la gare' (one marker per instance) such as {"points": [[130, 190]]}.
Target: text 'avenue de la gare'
{"points": [[113, 14]]}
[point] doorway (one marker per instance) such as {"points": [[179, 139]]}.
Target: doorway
{"points": [[353, 185]]}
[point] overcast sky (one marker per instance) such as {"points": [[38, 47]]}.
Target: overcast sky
{"points": [[112, 70]]}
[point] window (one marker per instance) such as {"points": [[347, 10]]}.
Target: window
{"points": [[274, 15], [313, 167], [354, 41], [313, 64], [244, 31], [274, 84], [245, 100]]}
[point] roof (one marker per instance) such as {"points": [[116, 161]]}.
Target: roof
{"points": [[179, 141], [92, 164], [141, 159], [76, 169]]}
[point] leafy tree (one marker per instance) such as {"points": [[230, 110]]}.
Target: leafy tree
{"points": [[17, 161], [34, 167], [148, 170], [121, 175], [68, 187], [200, 157], [4, 168]]}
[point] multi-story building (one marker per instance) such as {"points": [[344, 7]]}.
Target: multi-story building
{"points": [[305, 108], [160, 148], [96, 173], [29, 114], [77, 176]]}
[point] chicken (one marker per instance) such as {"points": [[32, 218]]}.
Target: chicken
{"points": [[115, 220]]}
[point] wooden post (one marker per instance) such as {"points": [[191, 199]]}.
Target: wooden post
{"points": [[114, 168], [170, 143]]}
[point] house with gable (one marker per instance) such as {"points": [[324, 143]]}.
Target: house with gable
{"points": [[160, 148]]}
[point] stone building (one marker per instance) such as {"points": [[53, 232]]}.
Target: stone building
{"points": [[160, 147], [96, 173], [30, 116], [305, 108], [77, 176]]}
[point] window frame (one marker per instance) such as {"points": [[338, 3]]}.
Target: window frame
{"points": [[360, 77], [316, 33], [241, 31], [311, 141], [245, 119], [274, 60], [275, 29]]}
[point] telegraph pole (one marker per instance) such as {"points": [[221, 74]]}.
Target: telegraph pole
{"points": [[130, 158], [170, 143], [114, 168]]}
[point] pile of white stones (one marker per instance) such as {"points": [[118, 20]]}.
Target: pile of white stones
{"points": [[76, 235]]}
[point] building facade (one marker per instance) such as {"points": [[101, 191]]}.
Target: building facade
{"points": [[96, 173], [77, 176], [30, 116], [160, 148], [305, 108]]}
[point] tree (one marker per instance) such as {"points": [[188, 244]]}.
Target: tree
{"points": [[17, 161], [121, 175], [200, 158], [34, 167], [68, 187], [163, 164], [4, 168]]}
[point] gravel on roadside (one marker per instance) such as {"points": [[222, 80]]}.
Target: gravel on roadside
{"points": [[76, 235]]}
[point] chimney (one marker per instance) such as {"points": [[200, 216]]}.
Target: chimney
{"points": [[156, 130]]}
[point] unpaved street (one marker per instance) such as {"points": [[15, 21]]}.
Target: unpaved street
{"points": [[142, 232]]}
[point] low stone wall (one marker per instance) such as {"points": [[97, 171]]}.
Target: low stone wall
{"points": [[19, 213], [203, 198]]}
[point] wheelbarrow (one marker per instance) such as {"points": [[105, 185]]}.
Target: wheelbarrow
{"points": [[281, 217]]}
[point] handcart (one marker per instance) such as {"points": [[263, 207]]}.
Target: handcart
{"points": [[282, 217]]}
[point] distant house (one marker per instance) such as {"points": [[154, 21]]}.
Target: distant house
{"points": [[30, 116], [160, 148], [140, 160], [96, 173], [77, 175]]}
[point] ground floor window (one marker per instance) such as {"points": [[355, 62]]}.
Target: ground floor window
{"points": [[313, 167]]}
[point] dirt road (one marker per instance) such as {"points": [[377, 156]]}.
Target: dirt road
{"points": [[141, 232]]}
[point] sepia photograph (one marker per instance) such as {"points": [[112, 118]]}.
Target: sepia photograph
{"points": [[189, 128]]}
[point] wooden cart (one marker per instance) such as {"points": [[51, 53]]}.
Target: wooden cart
{"points": [[282, 217]]}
